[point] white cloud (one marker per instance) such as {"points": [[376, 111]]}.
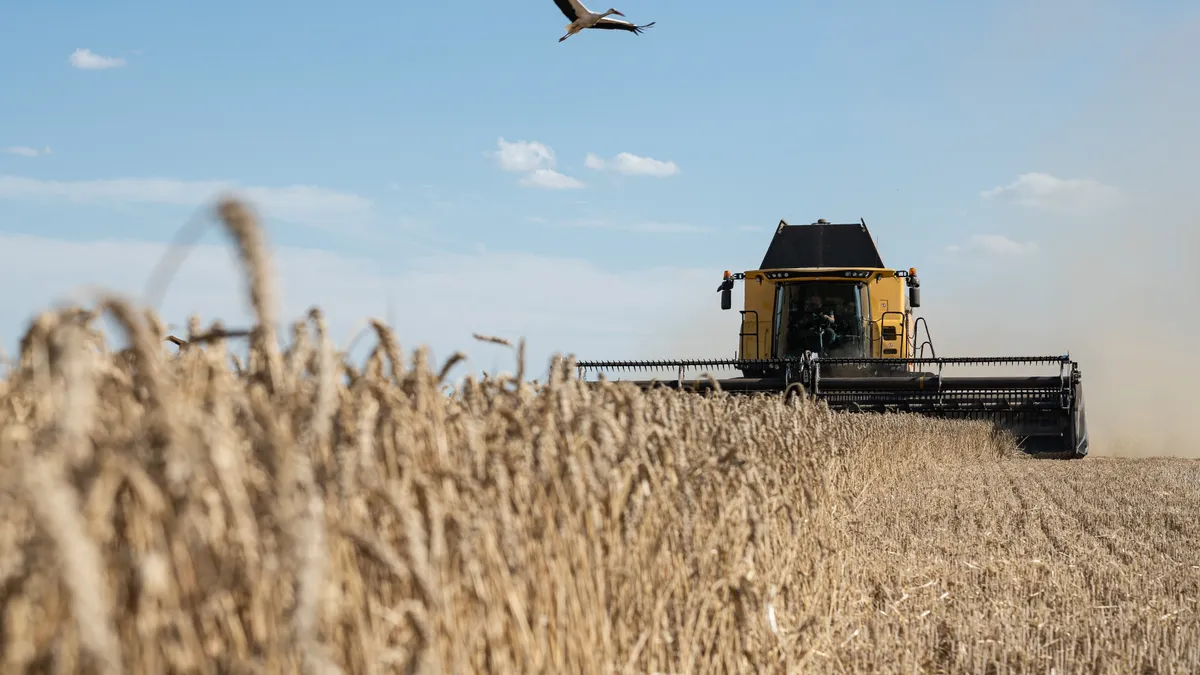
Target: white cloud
{"points": [[86, 59], [303, 204], [1043, 191], [26, 151], [551, 180], [632, 165], [523, 156], [537, 161], [590, 311], [994, 244]]}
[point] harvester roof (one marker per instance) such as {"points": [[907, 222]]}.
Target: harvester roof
{"points": [[821, 244]]}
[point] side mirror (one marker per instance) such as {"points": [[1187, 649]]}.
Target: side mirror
{"points": [[726, 289], [914, 296]]}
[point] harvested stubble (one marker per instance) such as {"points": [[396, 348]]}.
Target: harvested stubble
{"points": [[170, 513]]}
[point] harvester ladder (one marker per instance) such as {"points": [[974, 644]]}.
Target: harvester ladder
{"points": [[742, 335], [901, 330]]}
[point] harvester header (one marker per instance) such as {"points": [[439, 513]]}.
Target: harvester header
{"points": [[822, 313]]}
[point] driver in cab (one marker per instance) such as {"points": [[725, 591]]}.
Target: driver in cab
{"points": [[822, 320]]}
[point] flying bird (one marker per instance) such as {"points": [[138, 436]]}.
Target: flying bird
{"points": [[581, 17]]}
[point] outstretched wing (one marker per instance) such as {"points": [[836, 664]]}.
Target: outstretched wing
{"points": [[617, 24], [571, 9]]}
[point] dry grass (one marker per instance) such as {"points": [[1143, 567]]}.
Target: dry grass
{"points": [[169, 513]]}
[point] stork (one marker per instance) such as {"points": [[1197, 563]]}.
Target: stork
{"points": [[581, 17]]}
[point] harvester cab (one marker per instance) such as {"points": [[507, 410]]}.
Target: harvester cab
{"points": [[823, 312], [822, 291]]}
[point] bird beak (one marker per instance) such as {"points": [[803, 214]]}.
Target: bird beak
{"points": [[617, 13]]}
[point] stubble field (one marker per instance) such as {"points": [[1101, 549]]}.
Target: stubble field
{"points": [[177, 510]]}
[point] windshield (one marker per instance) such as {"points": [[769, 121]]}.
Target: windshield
{"points": [[825, 317]]}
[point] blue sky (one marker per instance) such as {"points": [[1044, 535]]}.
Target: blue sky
{"points": [[388, 117]]}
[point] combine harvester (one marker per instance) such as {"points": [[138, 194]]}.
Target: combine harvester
{"points": [[823, 312]]}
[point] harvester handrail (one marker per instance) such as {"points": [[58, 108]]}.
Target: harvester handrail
{"points": [[916, 334]]}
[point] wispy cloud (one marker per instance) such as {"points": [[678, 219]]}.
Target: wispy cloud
{"points": [[639, 227], [1046, 192], [994, 244], [537, 161], [442, 316], [550, 179], [629, 164], [26, 151], [303, 204], [86, 59]]}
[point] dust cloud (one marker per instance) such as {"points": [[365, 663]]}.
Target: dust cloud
{"points": [[1114, 302]]}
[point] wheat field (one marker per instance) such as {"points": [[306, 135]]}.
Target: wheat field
{"points": [[179, 510]]}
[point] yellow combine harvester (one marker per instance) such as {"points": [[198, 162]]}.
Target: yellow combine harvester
{"points": [[824, 312]]}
